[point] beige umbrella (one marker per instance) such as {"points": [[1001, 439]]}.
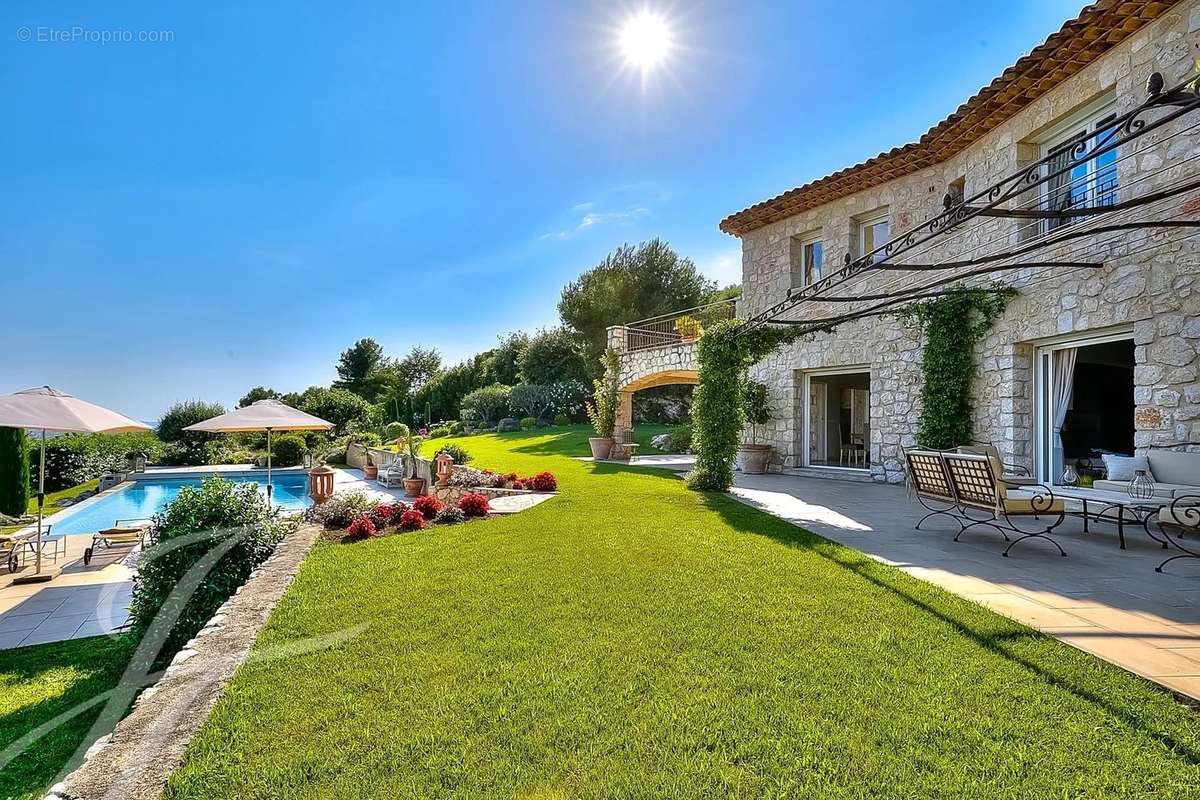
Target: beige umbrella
{"points": [[47, 409], [262, 415]]}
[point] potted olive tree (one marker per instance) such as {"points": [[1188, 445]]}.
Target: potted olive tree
{"points": [[755, 456], [602, 413], [414, 486]]}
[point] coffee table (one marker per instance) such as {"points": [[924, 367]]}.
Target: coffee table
{"points": [[1098, 503]]}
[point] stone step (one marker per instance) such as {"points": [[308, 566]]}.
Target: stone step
{"points": [[831, 474]]}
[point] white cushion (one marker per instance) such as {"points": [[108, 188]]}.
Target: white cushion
{"points": [[1122, 468], [1172, 466]]}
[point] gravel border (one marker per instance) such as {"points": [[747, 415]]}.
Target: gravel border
{"points": [[135, 760]]}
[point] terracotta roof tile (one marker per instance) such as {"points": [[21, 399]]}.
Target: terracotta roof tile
{"points": [[1064, 53]]}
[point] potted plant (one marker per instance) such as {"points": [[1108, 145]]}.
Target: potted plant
{"points": [[688, 328], [755, 456], [413, 486], [603, 412]]}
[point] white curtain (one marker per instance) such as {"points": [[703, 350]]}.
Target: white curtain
{"points": [[1060, 395]]}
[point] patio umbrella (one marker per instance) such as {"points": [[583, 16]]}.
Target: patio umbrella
{"points": [[262, 415], [47, 409]]}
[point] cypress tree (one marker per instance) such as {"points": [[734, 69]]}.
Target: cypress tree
{"points": [[14, 472]]}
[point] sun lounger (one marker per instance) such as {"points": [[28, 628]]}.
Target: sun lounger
{"points": [[129, 535]]}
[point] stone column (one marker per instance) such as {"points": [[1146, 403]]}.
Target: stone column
{"points": [[624, 429], [618, 338]]}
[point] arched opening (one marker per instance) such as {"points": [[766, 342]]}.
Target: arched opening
{"points": [[625, 415]]}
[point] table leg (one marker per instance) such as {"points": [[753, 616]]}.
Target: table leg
{"points": [[1121, 525], [1085, 516]]}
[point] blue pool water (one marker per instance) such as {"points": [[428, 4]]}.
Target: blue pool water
{"points": [[145, 498]]}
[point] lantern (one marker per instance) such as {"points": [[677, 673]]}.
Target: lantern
{"points": [[135, 461], [445, 468], [320, 484], [1141, 487]]}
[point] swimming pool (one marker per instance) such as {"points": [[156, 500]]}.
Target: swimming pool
{"points": [[144, 498]]}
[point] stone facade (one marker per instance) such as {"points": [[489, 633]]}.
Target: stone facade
{"points": [[1151, 289], [642, 369], [1148, 286]]}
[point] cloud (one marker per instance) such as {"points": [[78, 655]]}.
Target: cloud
{"points": [[724, 266], [592, 219]]}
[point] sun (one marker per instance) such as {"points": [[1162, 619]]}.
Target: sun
{"points": [[645, 40]]}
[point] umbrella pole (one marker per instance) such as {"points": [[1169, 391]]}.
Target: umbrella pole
{"points": [[269, 469], [41, 502]]}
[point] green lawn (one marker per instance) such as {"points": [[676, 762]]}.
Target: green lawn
{"points": [[41, 682], [52, 498], [631, 638]]}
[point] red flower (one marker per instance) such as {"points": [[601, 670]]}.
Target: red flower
{"points": [[474, 505], [543, 482], [412, 520], [507, 480], [361, 528], [428, 506], [518, 484]]}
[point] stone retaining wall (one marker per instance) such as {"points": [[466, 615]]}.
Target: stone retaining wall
{"points": [[450, 495], [135, 760]]}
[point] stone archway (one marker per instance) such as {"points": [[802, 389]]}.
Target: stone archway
{"points": [[646, 368], [624, 429]]}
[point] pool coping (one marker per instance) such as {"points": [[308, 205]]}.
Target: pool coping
{"points": [[180, 473]]}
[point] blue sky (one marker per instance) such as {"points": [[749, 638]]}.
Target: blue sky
{"points": [[235, 205]]}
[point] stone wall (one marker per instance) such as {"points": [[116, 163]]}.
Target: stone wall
{"points": [[1155, 292]]}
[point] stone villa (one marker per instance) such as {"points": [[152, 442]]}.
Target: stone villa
{"points": [[1119, 339]]}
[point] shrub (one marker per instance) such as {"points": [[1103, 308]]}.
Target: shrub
{"points": [[489, 403], [528, 423], [543, 482], [438, 432], [412, 520], [179, 416], [361, 528], [450, 515], [341, 509], [561, 419], [428, 505], [382, 515], [74, 459], [474, 505], [395, 430], [218, 513], [14, 472], [508, 425], [467, 477], [455, 451], [288, 450], [454, 428], [756, 406], [678, 440]]}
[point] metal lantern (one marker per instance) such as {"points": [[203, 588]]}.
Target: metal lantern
{"points": [[445, 468], [1070, 477], [320, 484], [1141, 487], [135, 462]]}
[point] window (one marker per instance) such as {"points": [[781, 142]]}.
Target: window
{"points": [[1077, 177], [807, 260], [873, 233]]}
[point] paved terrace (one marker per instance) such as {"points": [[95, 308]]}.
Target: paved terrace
{"points": [[1107, 601]]}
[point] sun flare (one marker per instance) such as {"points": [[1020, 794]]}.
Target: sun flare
{"points": [[645, 40]]}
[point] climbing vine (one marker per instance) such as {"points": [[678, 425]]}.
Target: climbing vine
{"points": [[952, 325], [726, 351]]}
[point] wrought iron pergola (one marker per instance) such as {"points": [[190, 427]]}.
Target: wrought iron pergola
{"points": [[1055, 233]]}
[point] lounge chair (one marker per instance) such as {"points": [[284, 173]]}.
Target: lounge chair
{"points": [[393, 474], [979, 487], [11, 547], [1011, 473], [931, 483], [128, 535]]}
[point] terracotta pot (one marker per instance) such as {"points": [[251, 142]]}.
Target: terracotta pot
{"points": [[753, 459], [414, 487], [601, 446], [370, 471]]}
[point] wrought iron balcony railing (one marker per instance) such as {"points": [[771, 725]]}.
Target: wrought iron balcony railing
{"points": [[677, 327]]}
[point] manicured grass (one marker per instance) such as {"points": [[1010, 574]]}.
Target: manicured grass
{"points": [[51, 498], [41, 682], [631, 638]]}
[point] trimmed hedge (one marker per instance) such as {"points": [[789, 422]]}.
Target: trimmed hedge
{"points": [[14, 472]]}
